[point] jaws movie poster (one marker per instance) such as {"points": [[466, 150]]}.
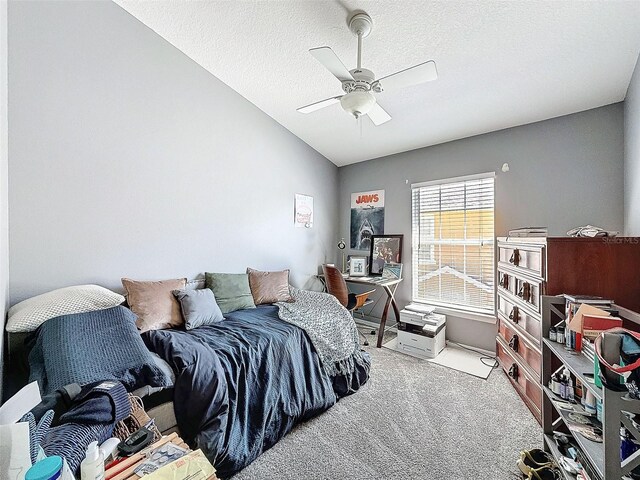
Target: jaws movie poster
{"points": [[367, 218]]}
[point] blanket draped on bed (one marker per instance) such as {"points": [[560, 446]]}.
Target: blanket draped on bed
{"points": [[244, 383], [90, 347], [330, 327]]}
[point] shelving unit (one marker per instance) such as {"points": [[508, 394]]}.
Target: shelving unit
{"points": [[577, 364], [604, 457]]}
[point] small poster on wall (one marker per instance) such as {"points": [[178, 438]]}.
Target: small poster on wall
{"points": [[367, 218], [303, 215]]}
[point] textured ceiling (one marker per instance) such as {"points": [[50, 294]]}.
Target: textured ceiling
{"points": [[500, 63]]}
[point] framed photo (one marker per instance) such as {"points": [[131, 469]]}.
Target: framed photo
{"points": [[384, 249], [303, 211], [358, 266]]}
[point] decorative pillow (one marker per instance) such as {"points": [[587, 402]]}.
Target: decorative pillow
{"points": [[154, 303], [198, 307], [29, 314], [269, 287], [231, 290]]}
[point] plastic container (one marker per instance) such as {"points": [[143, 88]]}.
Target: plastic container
{"points": [[552, 334], [560, 335], [599, 410], [92, 467], [49, 468]]}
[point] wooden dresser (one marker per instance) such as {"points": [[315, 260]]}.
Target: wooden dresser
{"points": [[531, 267], [521, 284]]}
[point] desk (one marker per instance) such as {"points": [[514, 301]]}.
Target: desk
{"points": [[389, 286]]}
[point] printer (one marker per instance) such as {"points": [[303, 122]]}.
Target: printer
{"points": [[421, 334]]}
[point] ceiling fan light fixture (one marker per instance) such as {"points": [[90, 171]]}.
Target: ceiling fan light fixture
{"points": [[358, 102]]}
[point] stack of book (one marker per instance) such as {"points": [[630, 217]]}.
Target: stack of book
{"points": [[587, 317], [573, 302], [529, 232]]}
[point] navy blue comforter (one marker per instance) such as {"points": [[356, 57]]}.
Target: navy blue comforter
{"points": [[242, 384]]}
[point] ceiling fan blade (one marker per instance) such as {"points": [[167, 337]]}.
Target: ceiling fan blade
{"points": [[318, 105], [423, 72], [330, 60], [378, 115]]}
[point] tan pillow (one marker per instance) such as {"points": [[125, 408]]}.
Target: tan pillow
{"points": [[154, 303], [269, 287]]}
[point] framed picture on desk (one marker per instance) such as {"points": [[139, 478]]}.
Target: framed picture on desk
{"points": [[384, 249], [358, 266]]}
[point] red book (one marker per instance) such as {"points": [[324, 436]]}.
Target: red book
{"points": [[597, 323]]}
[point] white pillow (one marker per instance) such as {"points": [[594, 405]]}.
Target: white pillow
{"points": [[29, 314]]}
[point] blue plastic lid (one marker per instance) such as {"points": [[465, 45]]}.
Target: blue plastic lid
{"points": [[46, 469]]}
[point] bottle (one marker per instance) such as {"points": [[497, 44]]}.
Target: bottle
{"points": [[555, 385], [92, 467], [552, 334], [578, 389], [569, 391], [599, 410], [560, 335], [565, 388]]}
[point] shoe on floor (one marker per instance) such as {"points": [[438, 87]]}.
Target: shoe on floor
{"points": [[534, 459], [544, 473]]}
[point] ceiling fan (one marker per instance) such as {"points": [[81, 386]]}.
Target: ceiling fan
{"points": [[360, 84]]}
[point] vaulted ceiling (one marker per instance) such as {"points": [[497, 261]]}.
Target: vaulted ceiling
{"points": [[500, 63]]}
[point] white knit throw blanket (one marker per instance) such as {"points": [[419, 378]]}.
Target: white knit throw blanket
{"points": [[330, 327]]}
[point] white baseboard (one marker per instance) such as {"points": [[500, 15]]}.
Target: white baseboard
{"points": [[373, 322], [489, 353]]}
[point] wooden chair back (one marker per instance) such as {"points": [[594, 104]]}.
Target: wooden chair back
{"points": [[335, 283]]}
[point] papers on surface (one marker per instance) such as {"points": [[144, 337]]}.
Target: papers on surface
{"points": [[528, 232], [420, 308], [22, 402], [15, 457], [193, 466]]}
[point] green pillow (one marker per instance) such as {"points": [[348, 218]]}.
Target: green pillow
{"points": [[231, 290]]}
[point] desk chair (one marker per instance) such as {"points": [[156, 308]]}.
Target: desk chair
{"points": [[337, 287]]}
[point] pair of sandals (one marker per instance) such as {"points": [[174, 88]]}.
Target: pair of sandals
{"points": [[537, 464]]}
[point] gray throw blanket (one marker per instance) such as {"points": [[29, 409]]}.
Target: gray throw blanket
{"points": [[330, 327]]}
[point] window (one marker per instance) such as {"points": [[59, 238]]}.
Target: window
{"points": [[453, 243]]}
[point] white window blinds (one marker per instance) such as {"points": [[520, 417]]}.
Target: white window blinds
{"points": [[453, 243]]}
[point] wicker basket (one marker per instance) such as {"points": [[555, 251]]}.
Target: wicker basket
{"points": [[138, 418]]}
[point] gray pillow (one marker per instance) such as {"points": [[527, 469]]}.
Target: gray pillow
{"points": [[198, 307], [231, 290]]}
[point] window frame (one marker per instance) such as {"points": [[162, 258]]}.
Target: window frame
{"points": [[471, 311]]}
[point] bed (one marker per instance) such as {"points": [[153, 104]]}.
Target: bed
{"points": [[254, 377], [240, 385]]}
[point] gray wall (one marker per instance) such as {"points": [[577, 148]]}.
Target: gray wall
{"points": [[4, 197], [632, 155], [128, 159], [564, 172]]}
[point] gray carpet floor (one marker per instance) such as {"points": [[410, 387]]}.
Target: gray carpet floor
{"points": [[412, 420]]}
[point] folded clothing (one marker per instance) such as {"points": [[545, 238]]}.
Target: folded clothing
{"points": [[91, 417]]}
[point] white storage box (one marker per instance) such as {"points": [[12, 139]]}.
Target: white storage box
{"points": [[425, 341]]}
